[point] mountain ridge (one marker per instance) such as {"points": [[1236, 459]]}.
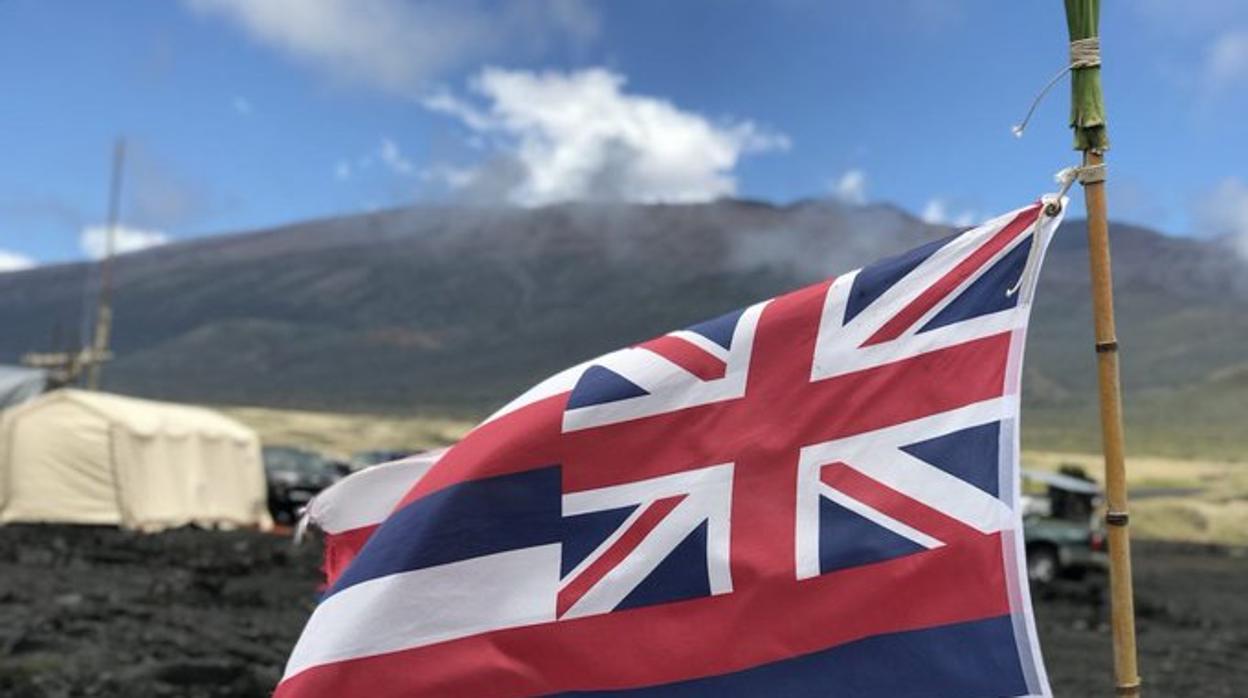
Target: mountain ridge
{"points": [[453, 309]]}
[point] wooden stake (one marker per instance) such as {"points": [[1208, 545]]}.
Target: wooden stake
{"points": [[1122, 605]]}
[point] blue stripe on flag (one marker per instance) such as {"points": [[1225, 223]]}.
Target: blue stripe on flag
{"points": [[987, 294], [979, 658], [583, 533], [721, 329], [874, 279], [848, 539], [598, 385], [971, 454], [463, 521], [681, 575]]}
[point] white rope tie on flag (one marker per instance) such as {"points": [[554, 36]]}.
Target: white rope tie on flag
{"points": [[1029, 265], [1052, 205], [301, 528], [1084, 53]]}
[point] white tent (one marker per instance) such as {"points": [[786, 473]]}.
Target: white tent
{"points": [[19, 384], [93, 458]]}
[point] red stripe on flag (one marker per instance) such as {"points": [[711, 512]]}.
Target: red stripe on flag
{"points": [[623, 546], [660, 644], [919, 307], [892, 503], [341, 548], [523, 440], [687, 356]]}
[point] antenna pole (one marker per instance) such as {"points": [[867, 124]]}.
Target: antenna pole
{"points": [[104, 310]]}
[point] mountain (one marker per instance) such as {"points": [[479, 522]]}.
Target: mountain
{"points": [[446, 309]]}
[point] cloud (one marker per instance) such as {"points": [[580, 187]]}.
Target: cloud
{"points": [[94, 240], [1223, 212], [1227, 59], [402, 45], [450, 176], [851, 187], [12, 261], [241, 105], [579, 136], [387, 154], [938, 211], [393, 158], [1219, 27]]}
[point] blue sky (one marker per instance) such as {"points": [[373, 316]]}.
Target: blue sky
{"points": [[242, 115]]}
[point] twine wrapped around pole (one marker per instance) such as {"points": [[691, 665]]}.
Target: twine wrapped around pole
{"points": [[1087, 105], [1087, 118]]}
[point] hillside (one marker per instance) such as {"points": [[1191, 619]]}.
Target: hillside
{"points": [[453, 310]]}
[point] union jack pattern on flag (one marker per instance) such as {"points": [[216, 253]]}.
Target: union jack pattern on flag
{"points": [[814, 496]]}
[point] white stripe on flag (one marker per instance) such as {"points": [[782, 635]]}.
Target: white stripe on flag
{"points": [[368, 497], [435, 604]]}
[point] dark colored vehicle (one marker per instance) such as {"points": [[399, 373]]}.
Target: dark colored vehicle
{"points": [[364, 459], [1065, 538], [295, 476]]}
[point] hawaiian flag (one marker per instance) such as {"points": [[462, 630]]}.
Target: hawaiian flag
{"points": [[817, 495]]}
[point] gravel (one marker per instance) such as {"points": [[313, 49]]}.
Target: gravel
{"points": [[87, 611]]}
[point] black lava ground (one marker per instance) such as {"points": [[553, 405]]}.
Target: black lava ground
{"points": [[101, 612]]}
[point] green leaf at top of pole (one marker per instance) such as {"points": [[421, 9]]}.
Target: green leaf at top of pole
{"points": [[1087, 104]]}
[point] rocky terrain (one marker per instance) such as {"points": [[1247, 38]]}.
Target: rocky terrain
{"points": [[101, 612]]}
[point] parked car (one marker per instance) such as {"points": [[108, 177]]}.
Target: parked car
{"points": [[1064, 533], [363, 459], [294, 476]]}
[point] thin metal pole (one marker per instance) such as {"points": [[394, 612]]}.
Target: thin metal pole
{"points": [[104, 310], [1122, 604]]}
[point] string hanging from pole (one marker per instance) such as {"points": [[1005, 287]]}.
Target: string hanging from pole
{"points": [[1084, 53]]}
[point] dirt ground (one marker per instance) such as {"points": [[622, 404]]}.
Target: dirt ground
{"points": [[100, 612]]}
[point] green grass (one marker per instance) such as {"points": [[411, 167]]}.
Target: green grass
{"points": [[1207, 456], [1204, 421], [343, 434], [1217, 513]]}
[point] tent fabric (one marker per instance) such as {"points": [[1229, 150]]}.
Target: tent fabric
{"points": [[94, 458], [19, 384]]}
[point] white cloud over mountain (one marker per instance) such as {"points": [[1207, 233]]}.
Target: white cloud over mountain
{"points": [[1223, 212], [851, 187], [581, 136], [938, 211], [393, 158], [12, 261], [94, 240]]}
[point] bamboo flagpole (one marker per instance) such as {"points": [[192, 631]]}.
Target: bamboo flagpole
{"points": [[1087, 118]]}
